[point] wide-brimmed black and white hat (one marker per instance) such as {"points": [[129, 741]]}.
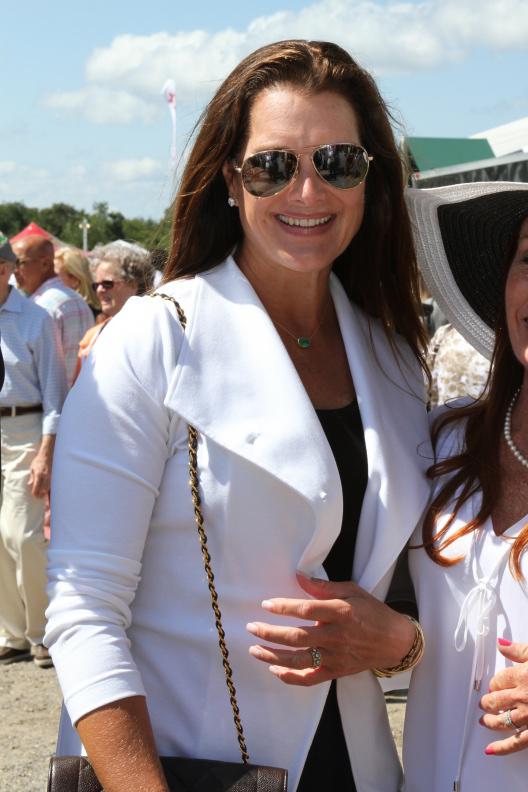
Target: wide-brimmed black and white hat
{"points": [[462, 235]]}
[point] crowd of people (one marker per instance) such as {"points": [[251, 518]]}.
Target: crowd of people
{"points": [[338, 364], [50, 311]]}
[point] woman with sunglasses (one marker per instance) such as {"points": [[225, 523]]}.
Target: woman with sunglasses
{"points": [[120, 274], [300, 367]]}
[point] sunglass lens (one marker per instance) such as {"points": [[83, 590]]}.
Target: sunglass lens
{"points": [[267, 173], [341, 165]]}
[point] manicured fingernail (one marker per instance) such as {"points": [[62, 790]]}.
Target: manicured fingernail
{"points": [[267, 604], [251, 627], [274, 670], [489, 751], [256, 651], [504, 642]]}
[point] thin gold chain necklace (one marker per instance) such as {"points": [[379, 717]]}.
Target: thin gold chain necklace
{"points": [[304, 342]]}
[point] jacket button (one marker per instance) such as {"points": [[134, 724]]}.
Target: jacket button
{"points": [[322, 495]]}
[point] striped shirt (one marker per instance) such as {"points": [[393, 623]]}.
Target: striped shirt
{"points": [[34, 368], [71, 315]]}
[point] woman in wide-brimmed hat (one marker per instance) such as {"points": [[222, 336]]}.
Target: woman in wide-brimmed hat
{"points": [[469, 563]]}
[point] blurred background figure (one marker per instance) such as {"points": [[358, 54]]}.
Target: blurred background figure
{"points": [[158, 259], [30, 405], [457, 369], [73, 269], [35, 275], [121, 273], [433, 317]]}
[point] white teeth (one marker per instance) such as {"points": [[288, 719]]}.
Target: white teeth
{"points": [[304, 222]]}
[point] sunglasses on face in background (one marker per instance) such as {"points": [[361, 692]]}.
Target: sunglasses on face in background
{"points": [[341, 165], [105, 284]]}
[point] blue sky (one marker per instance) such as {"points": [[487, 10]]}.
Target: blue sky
{"points": [[83, 118]]}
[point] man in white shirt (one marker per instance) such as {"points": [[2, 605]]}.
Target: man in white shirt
{"points": [[36, 276], [30, 404]]}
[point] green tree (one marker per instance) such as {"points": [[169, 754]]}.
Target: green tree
{"points": [[14, 216], [57, 217], [141, 231], [99, 233], [63, 220]]}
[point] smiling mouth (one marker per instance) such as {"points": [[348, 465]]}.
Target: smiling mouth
{"points": [[304, 222]]}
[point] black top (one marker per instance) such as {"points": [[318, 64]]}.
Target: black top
{"points": [[327, 765]]}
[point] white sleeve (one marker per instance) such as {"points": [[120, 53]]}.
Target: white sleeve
{"points": [[109, 459]]}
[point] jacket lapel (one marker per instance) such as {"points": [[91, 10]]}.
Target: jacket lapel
{"points": [[236, 384], [390, 395]]}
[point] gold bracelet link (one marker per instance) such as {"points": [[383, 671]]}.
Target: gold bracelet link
{"points": [[411, 659]]}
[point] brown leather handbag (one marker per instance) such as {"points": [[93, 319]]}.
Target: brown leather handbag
{"points": [[75, 773]]}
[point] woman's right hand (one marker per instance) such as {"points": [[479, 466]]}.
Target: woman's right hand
{"points": [[352, 631]]}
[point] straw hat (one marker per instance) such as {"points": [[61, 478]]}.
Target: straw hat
{"points": [[462, 234]]}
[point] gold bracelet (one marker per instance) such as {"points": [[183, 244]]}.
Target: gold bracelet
{"points": [[411, 659]]}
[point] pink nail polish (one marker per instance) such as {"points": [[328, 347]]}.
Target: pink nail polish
{"points": [[504, 642], [489, 751]]}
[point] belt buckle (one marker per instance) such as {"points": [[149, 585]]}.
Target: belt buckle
{"points": [[13, 411]]}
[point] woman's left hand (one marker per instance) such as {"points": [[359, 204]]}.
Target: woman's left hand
{"points": [[508, 696], [353, 631]]}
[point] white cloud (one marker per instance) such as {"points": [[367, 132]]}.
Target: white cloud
{"points": [[128, 170], [77, 171], [124, 79], [391, 37], [69, 183], [103, 105], [16, 178], [7, 167]]}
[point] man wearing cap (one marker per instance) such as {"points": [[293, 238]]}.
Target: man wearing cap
{"points": [[30, 404], [35, 275]]}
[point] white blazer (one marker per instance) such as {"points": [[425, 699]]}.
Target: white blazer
{"points": [[130, 610]]}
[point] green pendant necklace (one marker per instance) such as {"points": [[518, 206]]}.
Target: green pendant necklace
{"points": [[304, 342]]}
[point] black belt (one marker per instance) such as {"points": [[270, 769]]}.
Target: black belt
{"points": [[12, 412]]}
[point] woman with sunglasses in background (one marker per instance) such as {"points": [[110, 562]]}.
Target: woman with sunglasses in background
{"points": [[120, 274], [300, 368]]}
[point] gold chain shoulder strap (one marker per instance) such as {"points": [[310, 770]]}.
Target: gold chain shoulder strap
{"points": [[198, 518]]}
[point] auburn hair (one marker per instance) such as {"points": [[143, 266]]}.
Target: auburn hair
{"points": [[477, 466], [378, 269]]}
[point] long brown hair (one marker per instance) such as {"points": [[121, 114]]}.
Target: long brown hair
{"points": [[477, 466], [378, 269]]}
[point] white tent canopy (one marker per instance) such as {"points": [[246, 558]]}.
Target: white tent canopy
{"points": [[507, 138]]}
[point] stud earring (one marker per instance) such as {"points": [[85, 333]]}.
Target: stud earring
{"points": [[232, 201]]}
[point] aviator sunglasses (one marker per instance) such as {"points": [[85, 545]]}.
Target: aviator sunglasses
{"points": [[266, 173]]}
